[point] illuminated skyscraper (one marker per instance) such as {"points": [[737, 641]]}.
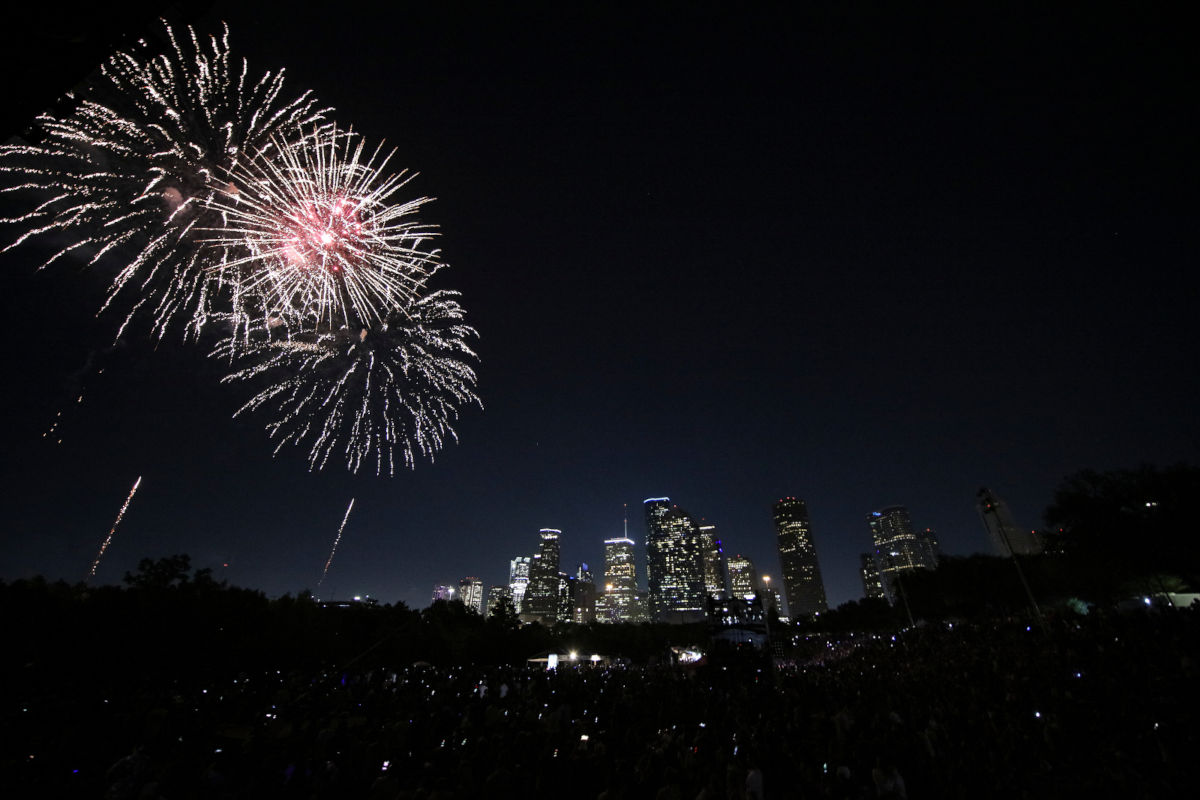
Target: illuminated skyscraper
{"points": [[898, 548], [497, 595], [543, 595], [743, 577], [675, 562], [868, 570], [518, 579], [798, 556], [470, 594], [618, 600], [1005, 537], [442, 592], [714, 561]]}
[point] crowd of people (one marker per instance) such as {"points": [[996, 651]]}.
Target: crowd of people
{"points": [[1082, 705]]}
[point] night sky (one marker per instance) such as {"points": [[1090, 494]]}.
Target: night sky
{"points": [[865, 258]]}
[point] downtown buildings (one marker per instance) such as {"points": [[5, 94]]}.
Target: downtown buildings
{"points": [[470, 594], [802, 582], [620, 600], [674, 563], [542, 596], [898, 548]]}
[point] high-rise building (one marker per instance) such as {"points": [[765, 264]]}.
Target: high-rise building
{"points": [[930, 546], [470, 594], [543, 595], [442, 591], [868, 570], [1006, 538], [798, 556], [743, 577], [584, 607], [714, 561], [618, 602], [518, 579], [770, 597], [497, 595], [898, 548], [675, 562]]}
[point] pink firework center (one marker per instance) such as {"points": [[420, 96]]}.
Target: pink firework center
{"points": [[327, 233]]}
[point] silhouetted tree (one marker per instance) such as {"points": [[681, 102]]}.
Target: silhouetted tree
{"points": [[1126, 526]]}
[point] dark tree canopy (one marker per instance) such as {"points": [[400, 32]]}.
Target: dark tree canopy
{"points": [[1135, 523]]}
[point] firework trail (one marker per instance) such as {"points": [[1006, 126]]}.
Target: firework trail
{"points": [[130, 171], [316, 226], [78, 383], [113, 529], [337, 539], [370, 393]]}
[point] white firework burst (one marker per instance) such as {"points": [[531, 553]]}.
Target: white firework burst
{"points": [[312, 228], [383, 394], [129, 172]]}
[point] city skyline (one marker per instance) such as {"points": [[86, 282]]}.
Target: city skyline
{"points": [[895, 544], [865, 258]]}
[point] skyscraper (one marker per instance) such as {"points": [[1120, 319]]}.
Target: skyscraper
{"points": [[618, 600], [442, 591], [584, 610], [542, 595], [495, 596], [675, 562], [743, 577], [714, 561], [898, 549], [868, 570], [1006, 538], [931, 548], [470, 594], [798, 556], [518, 579]]}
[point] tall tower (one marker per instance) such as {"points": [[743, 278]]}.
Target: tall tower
{"points": [[868, 570], [714, 562], [743, 577], [495, 596], [470, 594], [1005, 536], [541, 601], [801, 573], [518, 579], [675, 563], [898, 548], [618, 599], [584, 610]]}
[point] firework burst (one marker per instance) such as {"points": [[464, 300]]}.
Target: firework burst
{"points": [[314, 224], [131, 171], [379, 394]]}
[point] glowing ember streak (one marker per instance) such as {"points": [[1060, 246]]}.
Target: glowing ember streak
{"points": [[374, 394], [316, 230], [337, 539], [127, 174], [108, 539]]}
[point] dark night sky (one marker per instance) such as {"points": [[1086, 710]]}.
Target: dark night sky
{"points": [[860, 257]]}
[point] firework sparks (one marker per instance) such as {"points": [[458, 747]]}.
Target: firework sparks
{"points": [[316, 222], [336, 540], [371, 394], [129, 173], [108, 539]]}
